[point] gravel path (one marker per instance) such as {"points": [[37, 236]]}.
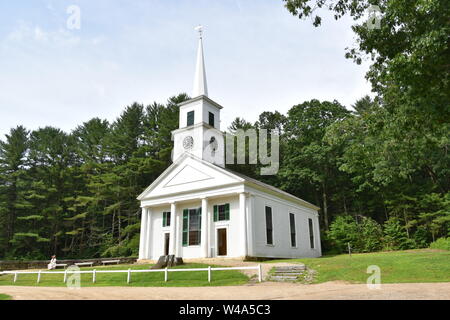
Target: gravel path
{"points": [[265, 290]]}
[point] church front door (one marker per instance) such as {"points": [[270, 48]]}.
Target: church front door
{"points": [[222, 241], [166, 243]]}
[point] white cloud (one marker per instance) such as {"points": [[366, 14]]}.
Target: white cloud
{"points": [[27, 33]]}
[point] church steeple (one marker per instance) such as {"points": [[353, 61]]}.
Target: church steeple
{"points": [[199, 130], [200, 84]]}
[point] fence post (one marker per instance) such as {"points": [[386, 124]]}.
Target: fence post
{"points": [[65, 276], [259, 273], [15, 276], [39, 276], [166, 275], [129, 276], [209, 273], [94, 276]]}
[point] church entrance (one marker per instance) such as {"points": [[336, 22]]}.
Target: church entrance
{"points": [[166, 243], [222, 241]]}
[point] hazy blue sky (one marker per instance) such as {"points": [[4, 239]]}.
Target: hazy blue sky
{"points": [[258, 58]]}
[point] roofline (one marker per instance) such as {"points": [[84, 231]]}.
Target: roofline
{"points": [[202, 97], [282, 194], [200, 124], [244, 181], [177, 162]]}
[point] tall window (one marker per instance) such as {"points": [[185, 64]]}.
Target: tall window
{"points": [[292, 224], [192, 226], [311, 233], [211, 119], [269, 226], [222, 212], [166, 219], [190, 118]]}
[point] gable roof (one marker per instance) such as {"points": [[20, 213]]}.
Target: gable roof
{"points": [[239, 177], [178, 167], [272, 188]]}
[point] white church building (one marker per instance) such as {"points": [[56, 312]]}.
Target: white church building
{"points": [[197, 208]]}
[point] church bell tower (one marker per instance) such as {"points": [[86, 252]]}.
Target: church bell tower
{"points": [[199, 123]]}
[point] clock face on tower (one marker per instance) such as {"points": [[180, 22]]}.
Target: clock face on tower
{"points": [[188, 143]]}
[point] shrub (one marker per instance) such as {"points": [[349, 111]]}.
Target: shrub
{"points": [[342, 231], [371, 235], [363, 237], [441, 243], [395, 236], [421, 237]]}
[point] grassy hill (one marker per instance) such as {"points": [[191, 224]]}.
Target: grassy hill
{"points": [[396, 267]]}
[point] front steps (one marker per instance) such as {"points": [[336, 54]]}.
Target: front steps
{"points": [[287, 273]]}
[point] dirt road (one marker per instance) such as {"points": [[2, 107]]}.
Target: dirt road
{"points": [[265, 290]]}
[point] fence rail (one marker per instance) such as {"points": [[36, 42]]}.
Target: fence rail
{"points": [[130, 271]]}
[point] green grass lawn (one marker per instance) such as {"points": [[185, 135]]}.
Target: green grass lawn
{"points": [[396, 267], [4, 297], [156, 279]]}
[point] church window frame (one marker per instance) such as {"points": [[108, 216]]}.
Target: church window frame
{"points": [[190, 118], [192, 224], [166, 219], [221, 212], [211, 118], [311, 233], [293, 231], [269, 225]]}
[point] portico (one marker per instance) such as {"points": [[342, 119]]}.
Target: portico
{"points": [[196, 228]]}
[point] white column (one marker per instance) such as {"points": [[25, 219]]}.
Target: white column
{"points": [[172, 240], [142, 239], [251, 225], [178, 235], [204, 228], [210, 229], [148, 236], [243, 222]]}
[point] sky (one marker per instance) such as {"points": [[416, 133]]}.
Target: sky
{"points": [[258, 58]]}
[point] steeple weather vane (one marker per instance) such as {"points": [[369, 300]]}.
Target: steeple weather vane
{"points": [[199, 29]]}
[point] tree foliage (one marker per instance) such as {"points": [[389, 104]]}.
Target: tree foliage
{"points": [[74, 194]]}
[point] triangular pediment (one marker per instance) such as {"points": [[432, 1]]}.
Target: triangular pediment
{"points": [[189, 174]]}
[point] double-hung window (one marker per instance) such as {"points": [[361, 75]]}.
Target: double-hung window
{"points": [[211, 119], [269, 226], [192, 220], [292, 225], [311, 233], [190, 118], [166, 219], [222, 212]]}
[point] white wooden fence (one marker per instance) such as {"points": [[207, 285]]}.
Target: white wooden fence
{"points": [[166, 271]]}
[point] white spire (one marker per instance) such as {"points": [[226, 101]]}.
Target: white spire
{"points": [[200, 85]]}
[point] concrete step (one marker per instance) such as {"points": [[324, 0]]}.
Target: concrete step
{"points": [[300, 267], [288, 274], [283, 278], [288, 271]]}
